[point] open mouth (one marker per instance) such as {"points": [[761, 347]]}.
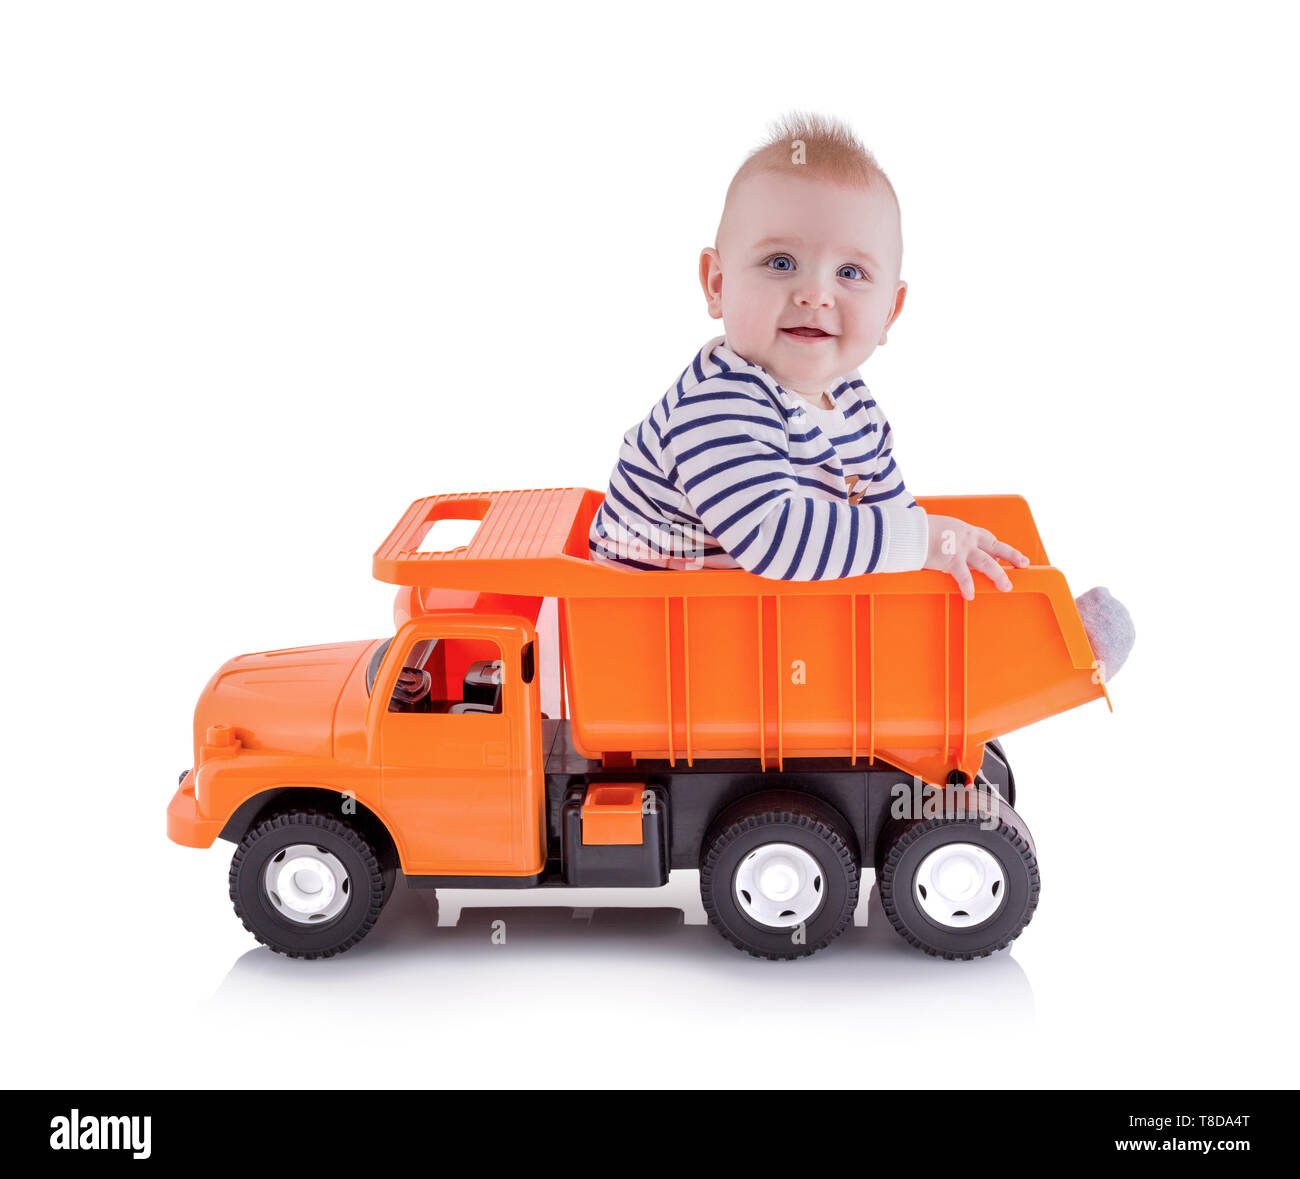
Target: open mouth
{"points": [[807, 333]]}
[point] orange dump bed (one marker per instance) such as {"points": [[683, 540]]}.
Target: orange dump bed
{"points": [[698, 664]]}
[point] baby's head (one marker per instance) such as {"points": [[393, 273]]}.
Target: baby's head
{"points": [[810, 238]]}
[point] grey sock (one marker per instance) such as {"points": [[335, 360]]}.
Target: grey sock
{"points": [[1110, 629]]}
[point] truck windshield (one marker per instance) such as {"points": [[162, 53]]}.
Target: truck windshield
{"points": [[372, 668]]}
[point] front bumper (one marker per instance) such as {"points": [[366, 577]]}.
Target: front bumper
{"points": [[184, 823]]}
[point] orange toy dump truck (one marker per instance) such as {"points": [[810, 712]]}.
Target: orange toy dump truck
{"points": [[775, 735]]}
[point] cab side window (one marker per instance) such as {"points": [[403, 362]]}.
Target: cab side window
{"points": [[457, 676]]}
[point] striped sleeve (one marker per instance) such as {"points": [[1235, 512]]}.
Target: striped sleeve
{"points": [[885, 485], [728, 453]]}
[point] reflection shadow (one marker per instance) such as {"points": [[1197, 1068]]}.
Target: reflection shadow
{"points": [[571, 949]]}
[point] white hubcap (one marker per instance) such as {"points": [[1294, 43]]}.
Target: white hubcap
{"points": [[959, 885], [307, 884], [779, 885]]}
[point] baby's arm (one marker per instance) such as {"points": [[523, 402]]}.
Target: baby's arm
{"points": [[727, 453]]}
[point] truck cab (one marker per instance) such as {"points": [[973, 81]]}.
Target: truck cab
{"points": [[454, 726]]}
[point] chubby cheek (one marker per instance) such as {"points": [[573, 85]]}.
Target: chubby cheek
{"points": [[860, 335], [752, 312], [862, 329]]}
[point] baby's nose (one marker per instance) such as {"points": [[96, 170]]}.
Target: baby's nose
{"points": [[815, 297]]}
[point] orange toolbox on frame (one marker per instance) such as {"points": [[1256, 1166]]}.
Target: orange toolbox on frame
{"points": [[778, 736]]}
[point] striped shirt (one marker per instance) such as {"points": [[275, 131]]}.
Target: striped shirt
{"points": [[731, 470]]}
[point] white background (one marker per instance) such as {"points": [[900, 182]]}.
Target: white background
{"points": [[270, 271]]}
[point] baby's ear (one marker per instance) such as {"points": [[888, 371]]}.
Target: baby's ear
{"points": [[711, 280], [899, 296]]}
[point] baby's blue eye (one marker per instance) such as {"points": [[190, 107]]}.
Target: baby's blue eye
{"points": [[781, 262], [858, 272]]}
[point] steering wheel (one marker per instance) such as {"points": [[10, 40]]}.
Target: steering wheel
{"points": [[411, 693]]}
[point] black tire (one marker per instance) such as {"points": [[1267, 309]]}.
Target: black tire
{"points": [[902, 850], [780, 818], [364, 890]]}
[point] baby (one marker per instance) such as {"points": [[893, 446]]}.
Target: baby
{"points": [[769, 453]]}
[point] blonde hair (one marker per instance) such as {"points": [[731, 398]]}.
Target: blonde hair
{"points": [[808, 144]]}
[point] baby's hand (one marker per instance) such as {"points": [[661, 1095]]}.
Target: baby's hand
{"points": [[957, 547]]}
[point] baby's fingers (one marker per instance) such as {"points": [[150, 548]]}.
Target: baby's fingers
{"points": [[989, 567], [1000, 548], [961, 575]]}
